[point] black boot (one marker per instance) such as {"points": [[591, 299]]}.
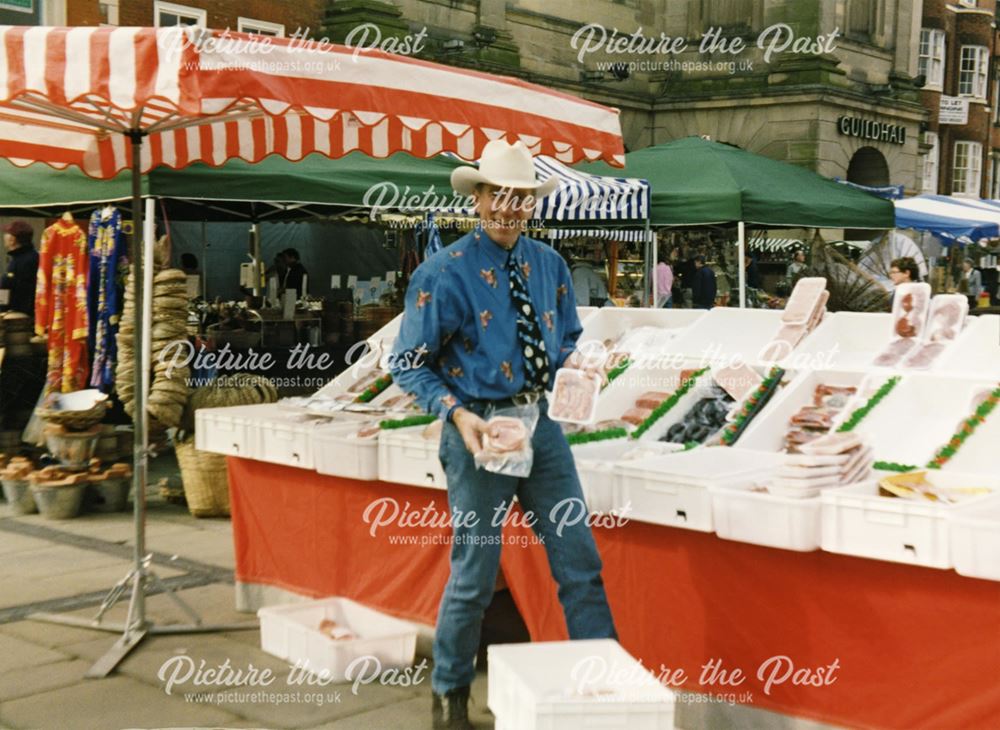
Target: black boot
{"points": [[450, 711]]}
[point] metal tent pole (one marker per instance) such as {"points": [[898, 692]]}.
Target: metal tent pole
{"points": [[140, 575], [741, 228]]}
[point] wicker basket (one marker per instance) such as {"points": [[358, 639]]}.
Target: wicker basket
{"points": [[206, 480], [75, 420]]}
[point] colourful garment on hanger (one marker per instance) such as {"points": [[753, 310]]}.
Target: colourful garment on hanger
{"points": [[61, 305], [107, 257]]}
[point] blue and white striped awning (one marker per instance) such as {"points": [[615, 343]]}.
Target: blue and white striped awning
{"points": [[585, 197], [950, 218], [614, 234]]}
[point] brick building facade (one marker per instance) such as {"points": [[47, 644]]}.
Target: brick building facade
{"points": [[960, 142]]}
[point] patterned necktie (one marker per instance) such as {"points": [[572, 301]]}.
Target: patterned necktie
{"points": [[529, 333]]}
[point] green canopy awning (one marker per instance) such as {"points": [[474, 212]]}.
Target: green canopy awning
{"points": [[698, 182], [274, 188]]}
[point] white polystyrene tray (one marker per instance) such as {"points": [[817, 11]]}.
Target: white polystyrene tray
{"points": [[918, 417], [291, 632], [674, 490], [337, 452], [767, 431], [567, 685], [975, 539], [858, 521], [843, 341], [406, 457], [976, 352], [726, 335]]}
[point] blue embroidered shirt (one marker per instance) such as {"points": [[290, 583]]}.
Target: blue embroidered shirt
{"points": [[458, 340]]}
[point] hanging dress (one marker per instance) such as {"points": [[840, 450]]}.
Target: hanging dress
{"points": [[107, 256], [61, 305]]}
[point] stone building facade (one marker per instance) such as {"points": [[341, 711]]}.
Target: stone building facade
{"points": [[827, 84]]}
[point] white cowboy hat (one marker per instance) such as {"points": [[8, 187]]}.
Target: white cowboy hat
{"points": [[506, 166]]}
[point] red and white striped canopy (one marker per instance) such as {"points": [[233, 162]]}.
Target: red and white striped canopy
{"points": [[66, 95]]}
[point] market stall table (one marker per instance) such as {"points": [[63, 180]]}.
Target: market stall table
{"points": [[912, 647]]}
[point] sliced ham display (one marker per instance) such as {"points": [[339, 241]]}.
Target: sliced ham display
{"points": [[651, 399], [574, 397], [636, 416]]}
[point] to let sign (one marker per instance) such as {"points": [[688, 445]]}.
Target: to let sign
{"points": [[953, 110]]}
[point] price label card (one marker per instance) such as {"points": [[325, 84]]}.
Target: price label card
{"points": [[335, 281], [352, 281], [390, 277]]}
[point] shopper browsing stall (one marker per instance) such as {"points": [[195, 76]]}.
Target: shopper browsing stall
{"points": [[488, 322], [903, 271], [704, 284], [972, 282], [22, 269]]}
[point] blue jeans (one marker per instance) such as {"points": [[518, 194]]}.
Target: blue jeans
{"points": [[475, 552]]}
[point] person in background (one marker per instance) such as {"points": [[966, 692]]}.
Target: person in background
{"points": [[189, 264], [972, 282], [902, 271], [295, 273], [22, 268], [664, 283], [797, 267], [588, 285], [704, 288]]}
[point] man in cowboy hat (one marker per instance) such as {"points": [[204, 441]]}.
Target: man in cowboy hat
{"points": [[488, 321]]}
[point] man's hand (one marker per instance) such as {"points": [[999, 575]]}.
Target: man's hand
{"points": [[471, 427]]}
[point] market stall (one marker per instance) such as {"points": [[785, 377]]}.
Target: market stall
{"points": [[722, 184]]}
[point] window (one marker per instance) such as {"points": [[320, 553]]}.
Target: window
{"points": [[967, 169], [995, 100], [167, 14], [931, 60], [994, 186], [864, 19], [727, 14], [972, 71], [967, 3], [109, 12], [929, 183], [260, 27]]}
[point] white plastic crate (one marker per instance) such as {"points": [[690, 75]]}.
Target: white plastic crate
{"points": [[285, 438], [567, 685], [766, 519], [674, 490], [975, 539], [725, 335], [406, 457], [338, 452], [291, 632], [613, 322], [767, 431], [980, 454], [844, 341], [597, 465], [976, 352], [621, 394], [918, 417], [231, 431], [858, 521]]}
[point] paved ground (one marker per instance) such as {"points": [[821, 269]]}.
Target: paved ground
{"points": [[68, 566]]}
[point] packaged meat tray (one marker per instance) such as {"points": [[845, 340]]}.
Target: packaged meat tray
{"points": [[574, 397]]}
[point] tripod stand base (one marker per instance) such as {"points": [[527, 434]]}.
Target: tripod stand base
{"points": [[130, 637], [107, 663]]}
